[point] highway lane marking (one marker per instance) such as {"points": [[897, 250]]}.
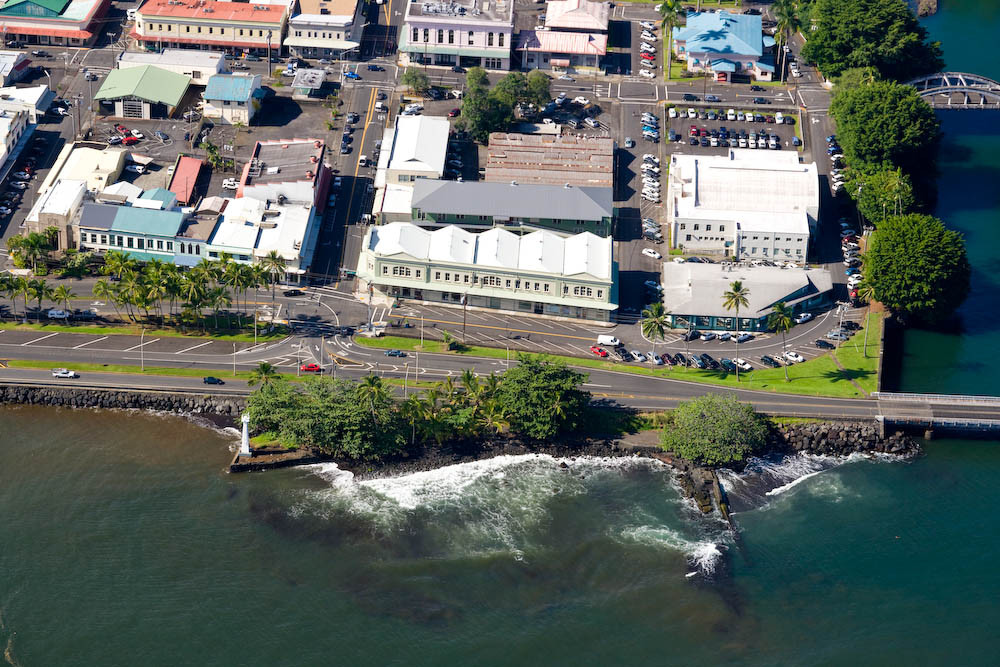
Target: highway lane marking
{"points": [[77, 347], [194, 347], [39, 339], [135, 347]]}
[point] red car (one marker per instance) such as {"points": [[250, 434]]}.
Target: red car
{"points": [[311, 368], [454, 112], [693, 132], [599, 351], [647, 56], [130, 141], [121, 128]]}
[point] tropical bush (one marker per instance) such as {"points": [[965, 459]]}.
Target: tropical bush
{"points": [[714, 430]]}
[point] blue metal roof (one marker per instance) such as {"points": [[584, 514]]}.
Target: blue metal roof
{"points": [[161, 195], [231, 87], [146, 221], [722, 32], [768, 41], [723, 65]]}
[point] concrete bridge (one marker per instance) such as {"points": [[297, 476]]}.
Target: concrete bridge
{"points": [[944, 412], [958, 90]]}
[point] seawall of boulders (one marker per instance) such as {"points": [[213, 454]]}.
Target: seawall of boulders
{"points": [[841, 439], [80, 397]]}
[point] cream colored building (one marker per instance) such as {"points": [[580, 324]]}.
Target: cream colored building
{"points": [[325, 28], [233, 27]]}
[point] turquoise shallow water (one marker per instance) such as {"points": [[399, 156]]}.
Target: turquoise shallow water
{"points": [[122, 542]]}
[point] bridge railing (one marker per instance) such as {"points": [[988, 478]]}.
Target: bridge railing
{"points": [[950, 399]]}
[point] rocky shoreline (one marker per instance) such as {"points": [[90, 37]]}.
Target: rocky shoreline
{"points": [[926, 7], [222, 410]]}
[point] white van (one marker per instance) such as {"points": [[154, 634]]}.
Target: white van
{"points": [[610, 341]]}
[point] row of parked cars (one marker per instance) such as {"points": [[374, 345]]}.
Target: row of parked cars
{"points": [[647, 50], [732, 115], [732, 138]]}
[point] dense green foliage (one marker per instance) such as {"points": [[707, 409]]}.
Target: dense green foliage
{"points": [[416, 80], [917, 268], [537, 400], [542, 399], [883, 34], [885, 125], [882, 193], [714, 430], [488, 110]]}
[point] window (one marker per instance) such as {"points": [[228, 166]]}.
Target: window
{"points": [[120, 241], [451, 36], [427, 35], [755, 238], [688, 237], [140, 243], [507, 284], [209, 30], [471, 38], [764, 250], [697, 227], [708, 228], [385, 270], [722, 228], [104, 239], [600, 294], [753, 251], [170, 246], [131, 241], [545, 287], [212, 254], [199, 29], [489, 39], [197, 250], [418, 272], [447, 276], [465, 277], [437, 275], [187, 28], [159, 244], [500, 39], [684, 225], [491, 63], [440, 36]]}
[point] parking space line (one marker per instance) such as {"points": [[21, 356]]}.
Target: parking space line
{"points": [[98, 340], [135, 347], [195, 347], [38, 339]]}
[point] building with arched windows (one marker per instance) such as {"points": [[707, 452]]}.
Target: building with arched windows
{"points": [[468, 33]]}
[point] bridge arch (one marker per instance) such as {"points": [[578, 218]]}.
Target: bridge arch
{"points": [[958, 90]]}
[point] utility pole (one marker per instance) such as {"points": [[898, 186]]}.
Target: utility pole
{"points": [[234, 359]]}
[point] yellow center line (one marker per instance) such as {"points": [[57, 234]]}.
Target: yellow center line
{"points": [[386, 7], [490, 326]]}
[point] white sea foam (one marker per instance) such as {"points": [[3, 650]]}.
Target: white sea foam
{"points": [[792, 484], [702, 554]]}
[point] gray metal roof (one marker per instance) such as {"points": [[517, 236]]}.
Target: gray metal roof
{"points": [[98, 216], [513, 201]]}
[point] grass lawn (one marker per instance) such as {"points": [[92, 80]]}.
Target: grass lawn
{"points": [[852, 354], [278, 334], [798, 132], [816, 377], [128, 368]]}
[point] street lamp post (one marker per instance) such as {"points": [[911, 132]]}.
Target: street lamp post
{"points": [[406, 374], [234, 359], [142, 354]]}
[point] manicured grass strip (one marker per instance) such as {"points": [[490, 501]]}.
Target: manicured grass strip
{"points": [[851, 354], [278, 334], [134, 369], [816, 377]]}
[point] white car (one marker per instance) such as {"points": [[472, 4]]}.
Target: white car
{"points": [[652, 199], [794, 357], [649, 166], [648, 25], [649, 252], [802, 318], [230, 184], [796, 73], [646, 34], [692, 113], [648, 64], [647, 74], [672, 112], [581, 100], [58, 314], [135, 168], [63, 373], [743, 364], [731, 114], [649, 157], [648, 48], [638, 356], [138, 135]]}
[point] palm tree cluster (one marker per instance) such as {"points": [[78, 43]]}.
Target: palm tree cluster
{"points": [[786, 15], [35, 289], [32, 247], [157, 289], [453, 410]]}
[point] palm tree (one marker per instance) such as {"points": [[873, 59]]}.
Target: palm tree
{"points": [[866, 292], [275, 266], [103, 289], [671, 12], [20, 288], [470, 383], [264, 374], [654, 322], [373, 390], [788, 23], [116, 263], [781, 320], [7, 287], [40, 290], [62, 296], [737, 297], [217, 299]]}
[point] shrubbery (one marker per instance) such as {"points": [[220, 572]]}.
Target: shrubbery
{"points": [[714, 430]]}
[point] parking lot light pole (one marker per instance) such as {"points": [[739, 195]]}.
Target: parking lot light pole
{"points": [[142, 355], [234, 359]]}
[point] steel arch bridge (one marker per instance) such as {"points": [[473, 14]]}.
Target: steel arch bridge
{"points": [[958, 90]]}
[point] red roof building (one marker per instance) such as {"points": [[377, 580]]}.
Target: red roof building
{"points": [[52, 22], [185, 178], [210, 24]]}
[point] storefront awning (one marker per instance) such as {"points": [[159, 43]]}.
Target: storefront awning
{"points": [[45, 31], [560, 62]]}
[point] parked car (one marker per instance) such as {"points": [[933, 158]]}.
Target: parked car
{"points": [[649, 252], [712, 98], [823, 345], [708, 335], [353, 76], [709, 361], [770, 361], [744, 337], [599, 351], [638, 356], [138, 135], [130, 141], [802, 318], [794, 356], [212, 380], [728, 365], [311, 368], [743, 364]]}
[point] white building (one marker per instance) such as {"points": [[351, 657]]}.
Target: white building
{"points": [[470, 33], [749, 204], [415, 148], [325, 28], [289, 170], [14, 65], [13, 125], [233, 98], [35, 100], [540, 273], [198, 65]]}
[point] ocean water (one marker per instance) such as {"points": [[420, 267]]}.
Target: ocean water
{"points": [[123, 542]]}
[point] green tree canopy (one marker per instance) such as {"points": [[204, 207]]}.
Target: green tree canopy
{"points": [[476, 79], [883, 34], [542, 399], [882, 193], [416, 80], [511, 89], [714, 430], [917, 268], [884, 125], [538, 88]]}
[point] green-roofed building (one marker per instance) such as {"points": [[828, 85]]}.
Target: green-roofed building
{"points": [[142, 92]]}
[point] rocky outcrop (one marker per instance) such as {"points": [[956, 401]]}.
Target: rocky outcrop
{"points": [[841, 439], [80, 397], [927, 7]]}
